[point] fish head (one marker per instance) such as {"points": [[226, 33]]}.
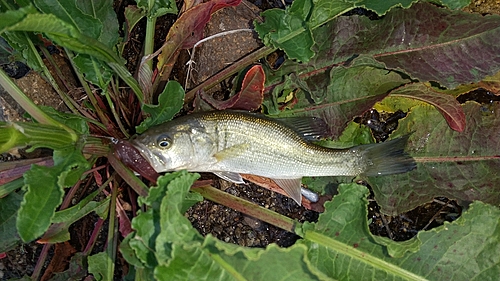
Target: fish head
{"points": [[172, 146]]}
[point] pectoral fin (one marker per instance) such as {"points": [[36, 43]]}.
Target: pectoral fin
{"points": [[232, 151], [292, 188], [229, 176]]}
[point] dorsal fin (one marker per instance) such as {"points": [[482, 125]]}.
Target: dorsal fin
{"points": [[310, 128]]}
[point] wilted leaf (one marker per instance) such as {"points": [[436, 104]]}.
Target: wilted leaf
{"points": [[463, 166], [170, 102], [249, 98]]}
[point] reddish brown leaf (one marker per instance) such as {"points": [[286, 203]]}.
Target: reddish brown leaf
{"points": [[447, 105], [249, 98]]}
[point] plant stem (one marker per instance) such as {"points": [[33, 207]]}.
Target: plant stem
{"points": [[112, 229], [246, 207], [115, 114], [30, 107]]}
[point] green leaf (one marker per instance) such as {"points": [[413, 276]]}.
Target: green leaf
{"points": [[287, 30], [68, 12], [461, 166], [98, 266], [382, 7], [216, 260], [67, 35], [447, 105], [75, 122], [157, 8], [454, 4], [335, 95], [170, 102], [290, 30], [102, 10], [174, 226], [147, 224], [45, 191], [62, 220], [95, 71], [9, 205], [342, 248]]}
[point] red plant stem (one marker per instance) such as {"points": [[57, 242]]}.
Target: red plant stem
{"points": [[40, 262], [93, 236]]}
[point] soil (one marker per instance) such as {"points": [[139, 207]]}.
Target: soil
{"points": [[208, 217]]}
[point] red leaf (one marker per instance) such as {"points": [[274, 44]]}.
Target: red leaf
{"points": [[249, 98], [447, 105]]}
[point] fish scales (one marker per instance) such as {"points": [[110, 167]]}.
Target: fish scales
{"points": [[274, 150]]}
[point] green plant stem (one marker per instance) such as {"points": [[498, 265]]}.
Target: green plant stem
{"points": [[95, 146], [112, 229], [248, 208], [30, 107], [230, 70]]}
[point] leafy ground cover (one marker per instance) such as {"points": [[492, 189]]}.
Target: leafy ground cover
{"points": [[411, 57]]}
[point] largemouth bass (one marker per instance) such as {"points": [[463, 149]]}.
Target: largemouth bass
{"points": [[230, 143]]}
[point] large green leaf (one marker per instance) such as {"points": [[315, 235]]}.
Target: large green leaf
{"points": [[45, 191], [341, 247], [338, 247], [462, 166], [8, 213]]}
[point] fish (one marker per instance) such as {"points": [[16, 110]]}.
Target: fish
{"points": [[231, 143]]}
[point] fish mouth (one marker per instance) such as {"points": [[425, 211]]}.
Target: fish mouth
{"points": [[155, 158]]}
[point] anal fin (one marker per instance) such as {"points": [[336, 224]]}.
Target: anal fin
{"points": [[230, 176], [292, 187]]}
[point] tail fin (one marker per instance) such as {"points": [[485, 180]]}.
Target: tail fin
{"points": [[388, 157]]}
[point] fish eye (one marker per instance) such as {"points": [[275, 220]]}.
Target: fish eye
{"points": [[164, 142]]}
